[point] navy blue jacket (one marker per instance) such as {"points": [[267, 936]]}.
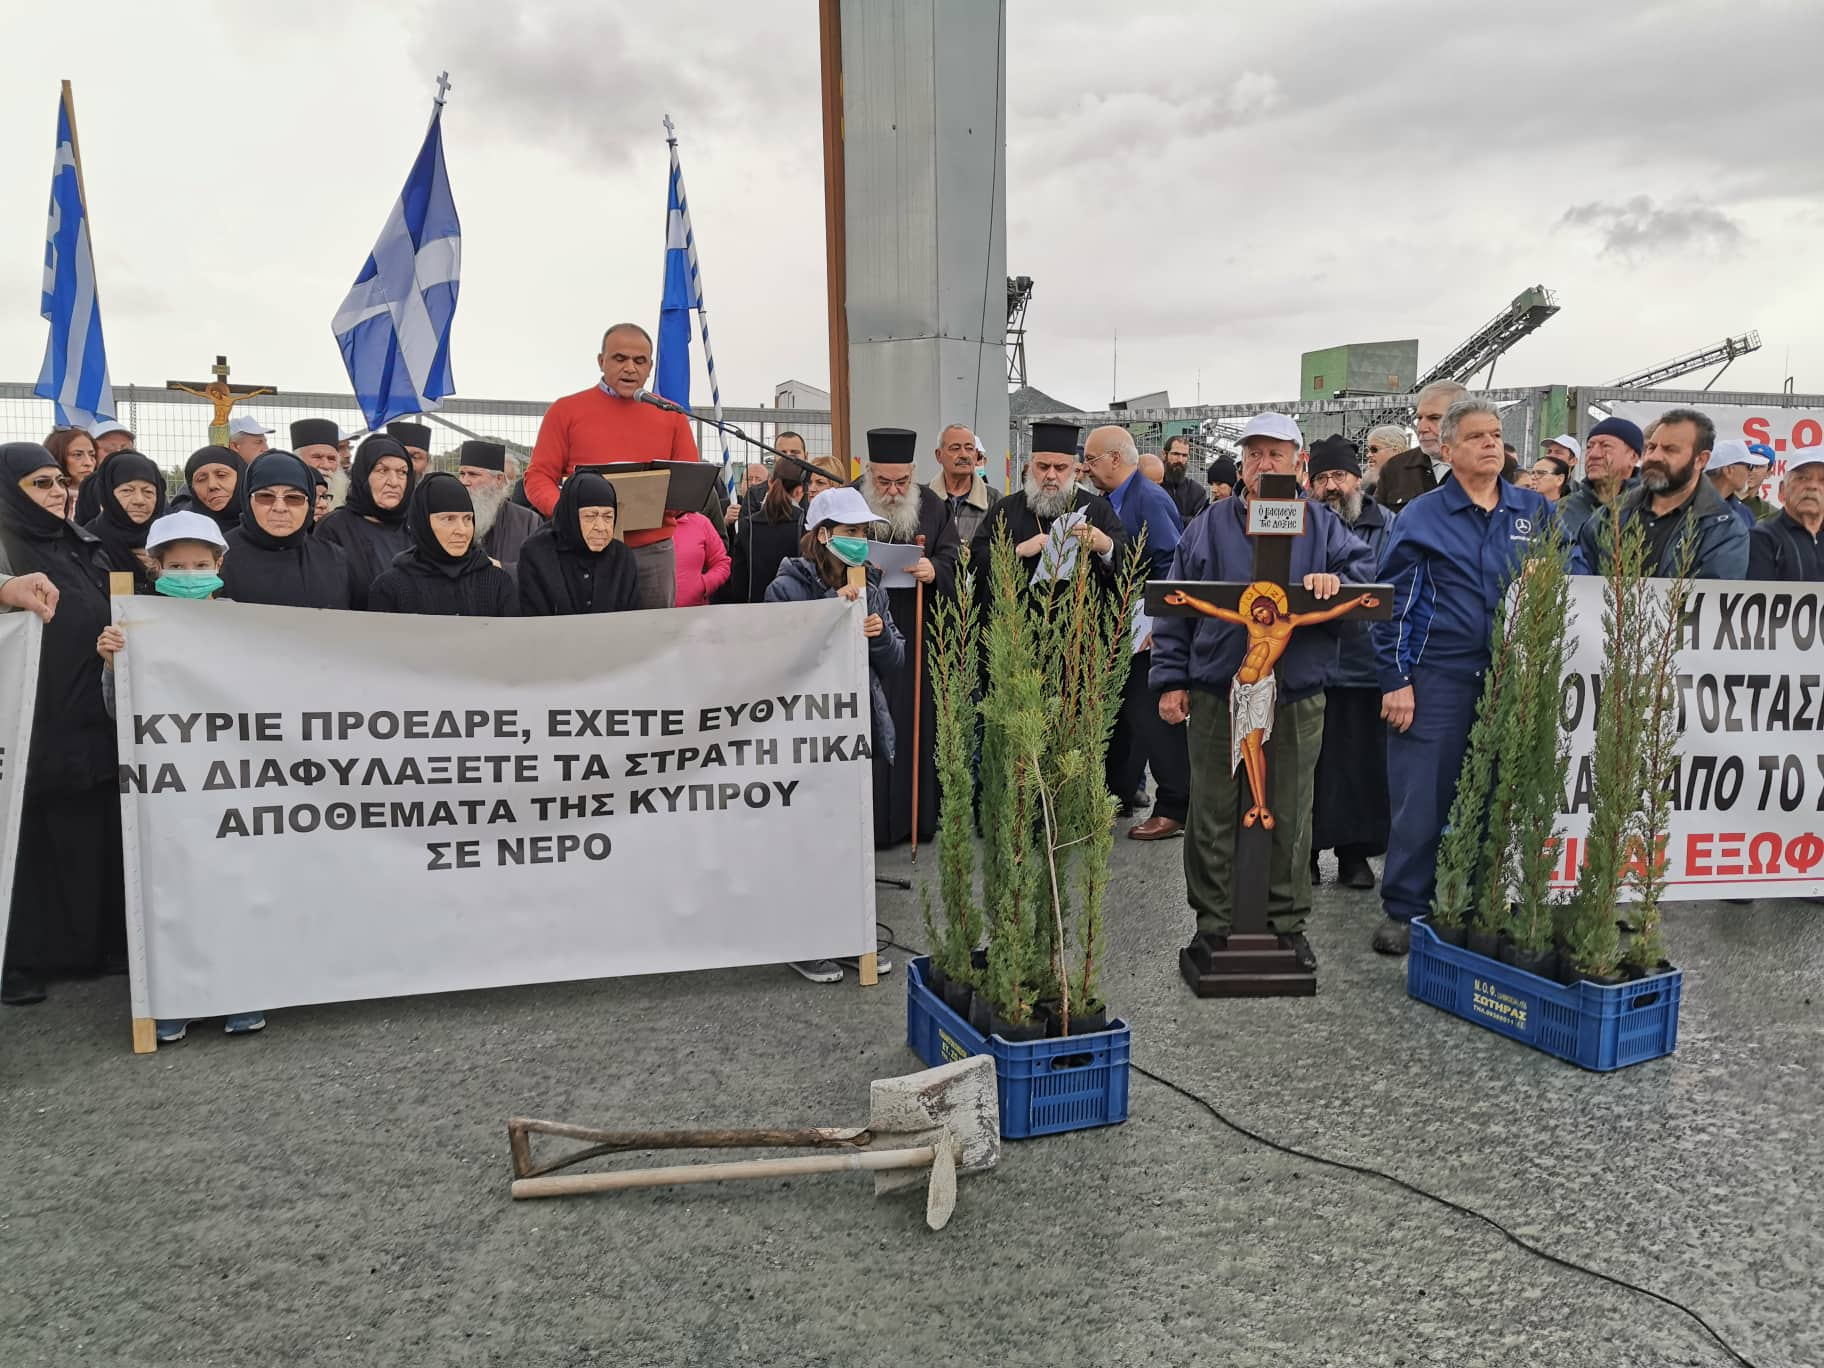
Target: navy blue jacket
{"points": [[799, 582], [1355, 662], [1722, 538], [1781, 549], [1143, 505], [1449, 562], [1201, 653]]}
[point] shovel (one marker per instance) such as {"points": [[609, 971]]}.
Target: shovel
{"points": [[945, 1119]]}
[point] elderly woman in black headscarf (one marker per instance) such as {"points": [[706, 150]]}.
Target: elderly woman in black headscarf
{"points": [[575, 565], [445, 571], [212, 485], [68, 917], [132, 495], [272, 558], [370, 525]]}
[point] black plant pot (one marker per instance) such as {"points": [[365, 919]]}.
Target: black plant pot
{"points": [[1485, 943], [1006, 1030], [1544, 963], [1450, 935], [1567, 973], [1089, 1023], [978, 957], [981, 1014], [957, 997], [935, 978]]}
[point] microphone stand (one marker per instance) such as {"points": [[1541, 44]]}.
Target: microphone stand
{"points": [[648, 397]]}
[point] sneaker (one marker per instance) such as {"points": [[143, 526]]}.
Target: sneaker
{"points": [[1392, 937], [819, 971], [1301, 948], [882, 965], [245, 1023], [170, 1032], [20, 989]]}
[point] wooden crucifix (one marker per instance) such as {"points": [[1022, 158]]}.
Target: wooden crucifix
{"points": [[221, 394], [1253, 962]]}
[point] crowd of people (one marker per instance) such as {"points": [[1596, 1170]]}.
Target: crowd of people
{"points": [[1369, 725]]}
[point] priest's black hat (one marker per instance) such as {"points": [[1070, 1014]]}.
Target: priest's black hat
{"points": [[1055, 437], [314, 432], [1334, 453], [892, 446], [410, 434], [483, 456]]}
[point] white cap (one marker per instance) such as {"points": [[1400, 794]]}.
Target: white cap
{"points": [[1804, 456], [184, 525], [1753, 458], [1569, 443], [1731, 451], [244, 425], [103, 429], [979, 447], [1275, 425], [345, 434], [840, 505]]}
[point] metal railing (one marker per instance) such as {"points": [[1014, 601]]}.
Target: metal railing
{"points": [[168, 426]]}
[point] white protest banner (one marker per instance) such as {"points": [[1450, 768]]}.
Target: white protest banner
{"points": [[1748, 806], [324, 806], [20, 634], [1783, 429]]}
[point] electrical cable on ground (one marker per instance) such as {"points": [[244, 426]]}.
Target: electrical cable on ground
{"points": [[888, 938]]}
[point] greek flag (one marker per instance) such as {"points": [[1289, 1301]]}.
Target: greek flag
{"points": [[75, 372], [394, 327], [683, 292]]}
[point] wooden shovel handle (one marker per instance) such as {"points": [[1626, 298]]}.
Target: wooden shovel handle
{"points": [[573, 1184], [521, 1129]]}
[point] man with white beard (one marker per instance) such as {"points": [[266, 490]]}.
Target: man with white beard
{"points": [[1350, 814], [501, 525], [914, 516], [1050, 493]]}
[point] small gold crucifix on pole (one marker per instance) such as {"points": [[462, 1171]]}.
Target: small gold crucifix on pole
{"points": [[221, 394]]}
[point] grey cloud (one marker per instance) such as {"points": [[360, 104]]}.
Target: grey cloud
{"points": [[1639, 228]]}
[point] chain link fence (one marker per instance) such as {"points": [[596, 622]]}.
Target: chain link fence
{"points": [[168, 426]]}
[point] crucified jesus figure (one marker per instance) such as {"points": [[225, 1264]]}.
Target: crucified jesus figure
{"points": [[1264, 612], [218, 394]]}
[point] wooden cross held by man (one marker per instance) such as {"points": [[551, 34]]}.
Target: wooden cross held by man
{"points": [[221, 394], [1253, 962]]}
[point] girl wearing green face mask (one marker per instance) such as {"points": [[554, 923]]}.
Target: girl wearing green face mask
{"points": [[186, 551], [837, 526]]}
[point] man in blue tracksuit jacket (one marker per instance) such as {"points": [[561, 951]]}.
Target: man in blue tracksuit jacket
{"points": [[1451, 556], [1194, 665]]}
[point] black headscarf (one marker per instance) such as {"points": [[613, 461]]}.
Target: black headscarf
{"points": [[72, 736], [360, 499], [582, 490], [269, 469], [119, 535], [22, 517], [441, 493], [228, 517], [88, 494]]}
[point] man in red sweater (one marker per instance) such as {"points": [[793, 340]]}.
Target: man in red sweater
{"points": [[606, 424]]}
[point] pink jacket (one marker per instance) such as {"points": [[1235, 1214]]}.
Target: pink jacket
{"points": [[703, 563]]}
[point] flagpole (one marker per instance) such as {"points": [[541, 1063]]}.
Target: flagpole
{"points": [[696, 290], [88, 219]]}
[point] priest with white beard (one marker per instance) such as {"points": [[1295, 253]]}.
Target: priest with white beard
{"points": [[500, 525], [911, 513], [1049, 494]]}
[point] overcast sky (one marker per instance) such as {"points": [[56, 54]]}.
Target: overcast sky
{"points": [[1227, 189]]}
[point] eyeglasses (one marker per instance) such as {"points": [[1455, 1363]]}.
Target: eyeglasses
{"points": [[886, 486], [44, 482], [266, 498]]}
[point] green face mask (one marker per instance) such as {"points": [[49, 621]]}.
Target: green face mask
{"points": [[188, 584], [850, 550]]}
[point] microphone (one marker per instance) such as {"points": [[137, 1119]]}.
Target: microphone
{"points": [[646, 396]]}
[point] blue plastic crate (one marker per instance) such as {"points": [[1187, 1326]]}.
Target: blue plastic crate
{"points": [[1594, 1027], [1045, 1086]]}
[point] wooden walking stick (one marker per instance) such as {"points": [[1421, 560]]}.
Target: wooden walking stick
{"points": [[867, 968], [918, 694]]}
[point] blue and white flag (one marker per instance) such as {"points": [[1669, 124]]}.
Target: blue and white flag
{"points": [[394, 327], [75, 372], [683, 292]]}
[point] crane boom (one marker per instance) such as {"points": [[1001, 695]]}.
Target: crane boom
{"points": [[1491, 341], [1725, 351]]}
